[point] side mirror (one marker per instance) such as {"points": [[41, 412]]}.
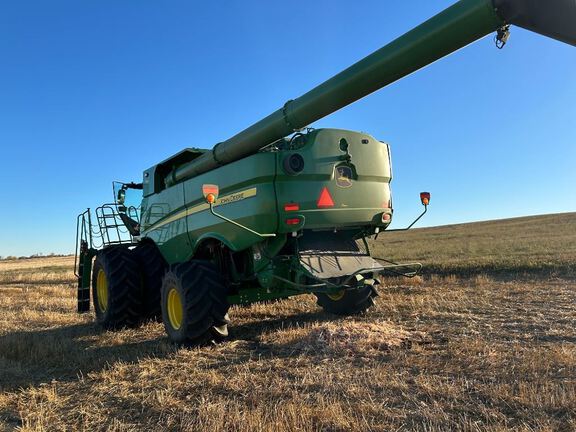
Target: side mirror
{"points": [[121, 197]]}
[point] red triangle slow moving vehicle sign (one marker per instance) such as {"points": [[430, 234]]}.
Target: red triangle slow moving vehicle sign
{"points": [[325, 199]]}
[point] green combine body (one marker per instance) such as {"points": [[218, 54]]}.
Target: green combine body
{"points": [[265, 193], [276, 210]]}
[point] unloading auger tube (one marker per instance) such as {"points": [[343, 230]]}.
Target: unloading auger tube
{"points": [[450, 30]]}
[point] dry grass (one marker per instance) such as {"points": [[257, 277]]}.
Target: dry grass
{"points": [[528, 246], [440, 352]]}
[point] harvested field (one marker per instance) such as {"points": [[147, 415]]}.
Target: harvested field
{"points": [[484, 340]]}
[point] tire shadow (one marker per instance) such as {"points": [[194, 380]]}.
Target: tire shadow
{"points": [[29, 358]]}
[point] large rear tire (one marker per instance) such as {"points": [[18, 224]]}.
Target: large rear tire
{"points": [[194, 303], [348, 302], [152, 267], [117, 288]]}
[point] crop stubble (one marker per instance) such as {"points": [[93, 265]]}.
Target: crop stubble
{"points": [[474, 344]]}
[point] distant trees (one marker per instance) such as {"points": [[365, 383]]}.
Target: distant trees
{"points": [[36, 255]]}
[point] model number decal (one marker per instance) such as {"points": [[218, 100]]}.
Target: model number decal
{"points": [[231, 198]]}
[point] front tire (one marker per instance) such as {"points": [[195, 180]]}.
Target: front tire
{"points": [[194, 303], [117, 288]]}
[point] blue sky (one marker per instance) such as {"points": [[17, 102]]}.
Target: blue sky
{"points": [[95, 91]]}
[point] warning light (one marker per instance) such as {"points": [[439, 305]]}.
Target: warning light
{"points": [[425, 198], [210, 189], [325, 199], [210, 198], [291, 207]]}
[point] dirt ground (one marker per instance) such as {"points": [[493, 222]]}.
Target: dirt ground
{"points": [[435, 353]]}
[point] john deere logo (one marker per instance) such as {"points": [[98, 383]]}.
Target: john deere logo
{"points": [[344, 176]]}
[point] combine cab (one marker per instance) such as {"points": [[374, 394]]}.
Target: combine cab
{"points": [[276, 210]]}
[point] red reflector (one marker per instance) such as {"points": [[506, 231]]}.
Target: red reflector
{"points": [[325, 199], [210, 189], [291, 207], [294, 221]]}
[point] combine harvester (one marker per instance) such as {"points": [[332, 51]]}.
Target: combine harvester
{"points": [[277, 210]]}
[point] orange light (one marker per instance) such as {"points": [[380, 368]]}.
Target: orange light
{"points": [[425, 198], [325, 199], [291, 207], [210, 198], [386, 217], [293, 221], [210, 189]]}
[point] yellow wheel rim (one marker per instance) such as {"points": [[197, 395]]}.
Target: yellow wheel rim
{"points": [[102, 290], [175, 309], [337, 295]]}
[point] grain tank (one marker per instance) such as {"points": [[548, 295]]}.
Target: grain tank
{"points": [[276, 210]]}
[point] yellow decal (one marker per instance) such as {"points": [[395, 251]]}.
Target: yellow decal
{"points": [[237, 196]]}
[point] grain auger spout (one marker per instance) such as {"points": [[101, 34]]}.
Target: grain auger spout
{"points": [[450, 30], [552, 18]]}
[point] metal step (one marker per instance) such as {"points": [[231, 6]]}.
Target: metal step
{"points": [[329, 255]]}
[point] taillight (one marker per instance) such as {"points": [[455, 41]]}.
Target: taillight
{"points": [[291, 207]]}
